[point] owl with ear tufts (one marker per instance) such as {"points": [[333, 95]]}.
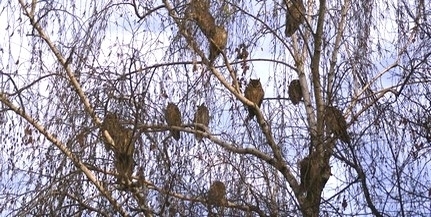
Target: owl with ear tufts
{"points": [[295, 91], [294, 16], [254, 92], [336, 123], [201, 117], [173, 118]]}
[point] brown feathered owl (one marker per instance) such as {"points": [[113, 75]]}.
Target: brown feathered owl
{"points": [[305, 171], [206, 23], [254, 92], [120, 135], [173, 118], [295, 91], [110, 124], [123, 147], [294, 16], [200, 13], [124, 141], [336, 123], [124, 164], [200, 5], [314, 173], [218, 42], [217, 193], [201, 117]]}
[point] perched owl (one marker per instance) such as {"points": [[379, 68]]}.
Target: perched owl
{"points": [[120, 135], [124, 164], [200, 13], [336, 123], [206, 23], [201, 117], [314, 172], [217, 193], [294, 16], [173, 118], [254, 92], [123, 147], [110, 124], [305, 171], [295, 91], [200, 5], [218, 42], [203, 18], [124, 141]]}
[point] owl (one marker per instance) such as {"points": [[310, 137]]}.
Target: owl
{"points": [[218, 42], [295, 91], [217, 193], [313, 172], [206, 23], [124, 164], [173, 118], [123, 147], [200, 5], [305, 171], [336, 123], [110, 124], [201, 117], [118, 133], [294, 16], [254, 92], [124, 142], [199, 11]]}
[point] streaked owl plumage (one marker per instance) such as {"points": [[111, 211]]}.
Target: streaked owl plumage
{"points": [[121, 135], [199, 11], [294, 16], [254, 92], [173, 118], [201, 117], [123, 147], [218, 42], [217, 193], [124, 163], [336, 123], [295, 91]]}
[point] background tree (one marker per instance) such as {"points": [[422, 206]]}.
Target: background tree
{"points": [[66, 65]]}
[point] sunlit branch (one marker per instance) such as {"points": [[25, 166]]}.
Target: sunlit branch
{"points": [[87, 107], [66, 151], [356, 98], [335, 52], [316, 128], [201, 199], [278, 162]]}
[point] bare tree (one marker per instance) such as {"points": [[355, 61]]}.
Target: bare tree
{"points": [[85, 89]]}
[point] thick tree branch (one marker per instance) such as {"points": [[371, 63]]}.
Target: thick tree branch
{"points": [[335, 52], [87, 107], [263, 124], [78, 163], [317, 130]]}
